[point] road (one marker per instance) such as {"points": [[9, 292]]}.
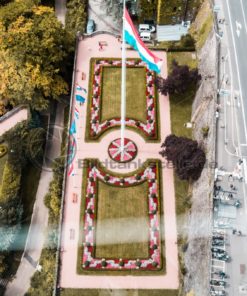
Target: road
{"points": [[232, 136]]}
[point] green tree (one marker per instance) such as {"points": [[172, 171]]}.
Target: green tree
{"points": [[4, 2], [3, 265], [33, 48], [76, 16]]}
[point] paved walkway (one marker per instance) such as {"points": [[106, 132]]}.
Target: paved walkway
{"points": [[9, 122], [68, 276], [37, 231], [103, 21], [60, 10]]}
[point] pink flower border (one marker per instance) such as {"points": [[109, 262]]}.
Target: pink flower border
{"points": [[149, 174], [97, 127]]}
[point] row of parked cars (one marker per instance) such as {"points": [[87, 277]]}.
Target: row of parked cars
{"points": [[145, 30], [218, 275]]}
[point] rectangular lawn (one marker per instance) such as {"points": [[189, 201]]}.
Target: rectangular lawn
{"points": [[135, 93], [122, 229]]}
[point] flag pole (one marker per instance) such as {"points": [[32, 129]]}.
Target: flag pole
{"points": [[123, 88]]}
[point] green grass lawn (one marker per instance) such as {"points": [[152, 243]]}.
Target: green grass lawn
{"points": [[181, 108], [122, 215], [135, 93], [205, 30], [129, 292], [183, 58]]}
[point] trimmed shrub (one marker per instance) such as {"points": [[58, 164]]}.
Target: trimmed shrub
{"points": [[3, 150]]}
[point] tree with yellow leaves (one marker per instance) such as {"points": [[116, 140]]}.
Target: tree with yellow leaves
{"points": [[33, 49]]}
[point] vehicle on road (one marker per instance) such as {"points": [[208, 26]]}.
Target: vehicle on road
{"points": [[90, 26], [146, 28]]}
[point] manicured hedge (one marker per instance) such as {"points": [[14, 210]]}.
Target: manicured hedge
{"points": [[10, 183], [3, 150]]}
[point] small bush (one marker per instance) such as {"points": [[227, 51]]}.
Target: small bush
{"points": [[205, 131], [187, 41], [3, 150]]}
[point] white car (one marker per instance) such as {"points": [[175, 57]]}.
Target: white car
{"points": [[145, 36], [146, 28]]}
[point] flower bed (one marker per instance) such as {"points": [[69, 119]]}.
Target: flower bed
{"points": [[130, 150], [149, 174], [98, 127]]}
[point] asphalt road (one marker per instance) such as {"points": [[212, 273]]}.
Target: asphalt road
{"points": [[231, 131]]}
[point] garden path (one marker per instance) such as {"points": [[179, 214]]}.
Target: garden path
{"points": [[11, 118], [69, 278], [37, 229], [60, 10]]}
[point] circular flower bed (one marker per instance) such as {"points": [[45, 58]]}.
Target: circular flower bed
{"points": [[129, 153], [3, 150]]}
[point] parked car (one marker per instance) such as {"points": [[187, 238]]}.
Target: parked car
{"points": [[218, 283], [145, 36], [218, 237], [217, 242], [222, 257], [90, 26], [146, 28], [218, 293], [217, 250]]}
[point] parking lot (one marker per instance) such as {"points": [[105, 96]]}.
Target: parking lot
{"points": [[229, 234]]}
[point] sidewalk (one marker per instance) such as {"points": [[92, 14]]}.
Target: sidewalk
{"points": [[60, 10], [9, 122]]}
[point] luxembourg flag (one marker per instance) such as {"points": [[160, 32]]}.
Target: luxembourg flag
{"points": [[131, 36]]}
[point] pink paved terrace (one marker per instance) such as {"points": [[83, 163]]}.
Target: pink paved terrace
{"points": [[99, 150]]}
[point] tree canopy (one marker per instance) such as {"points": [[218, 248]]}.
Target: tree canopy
{"points": [[76, 16], [33, 47], [186, 155], [179, 80]]}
